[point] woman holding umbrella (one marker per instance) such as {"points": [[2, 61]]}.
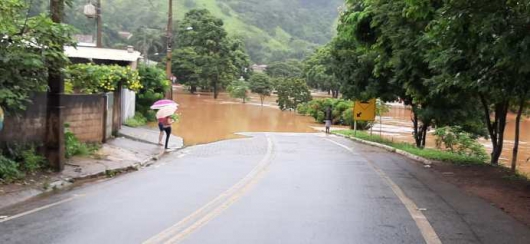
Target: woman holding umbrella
{"points": [[167, 109], [165, 125]]}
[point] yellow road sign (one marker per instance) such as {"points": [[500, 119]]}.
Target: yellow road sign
{"points": [[364, 110]]}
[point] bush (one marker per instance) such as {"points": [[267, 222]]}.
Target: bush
{"points": [[455, 140], [303, 108], [9, 170], [154, 86], [25, 155], [342, 112], [239, 89], [31, 161], [74, 147], [137, 121]]}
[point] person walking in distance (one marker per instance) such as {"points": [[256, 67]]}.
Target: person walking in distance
{"points": [[328, 119], [165, 124]]}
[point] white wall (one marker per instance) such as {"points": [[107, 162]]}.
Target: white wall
{"points": [[128, 101]]}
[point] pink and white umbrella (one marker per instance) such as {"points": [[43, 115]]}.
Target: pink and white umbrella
{"points": [[166, 111], [164, 103]]}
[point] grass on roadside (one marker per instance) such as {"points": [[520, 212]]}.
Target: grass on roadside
{"points": [[137, 121], [428, 153], [76, 148]]}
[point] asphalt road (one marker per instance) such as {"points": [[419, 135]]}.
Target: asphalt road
{"points": [[269, 188]]}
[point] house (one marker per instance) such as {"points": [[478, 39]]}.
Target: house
{"points": [[259, 68], [107, 56]]}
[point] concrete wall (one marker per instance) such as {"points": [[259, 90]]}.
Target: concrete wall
{"points": [[28, 126], [85, 115]]}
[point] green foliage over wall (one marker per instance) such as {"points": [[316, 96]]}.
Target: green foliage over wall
{"points": [[92, 79]]}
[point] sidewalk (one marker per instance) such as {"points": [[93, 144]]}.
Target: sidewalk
{"points": [[135, 148], [148, 135]]}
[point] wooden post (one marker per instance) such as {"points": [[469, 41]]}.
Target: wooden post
{"points": [[169, 94], [99, 20], [54, 142], [381, 125], [355, 128]]}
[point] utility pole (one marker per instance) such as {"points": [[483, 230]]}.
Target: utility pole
{"points": [[54, 141], [169, 94], [99, 20]]}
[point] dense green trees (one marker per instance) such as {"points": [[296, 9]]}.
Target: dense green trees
{"points": [[25, 58], [270, 30], [206, 56], [318, 70], [450, 60], [485, 53], [286, 69]]}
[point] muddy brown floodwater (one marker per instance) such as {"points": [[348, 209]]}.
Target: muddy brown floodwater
{"points": [[397, 126], [205, 120]]}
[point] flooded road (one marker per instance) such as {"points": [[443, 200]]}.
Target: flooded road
{"points": [[205, 120]]}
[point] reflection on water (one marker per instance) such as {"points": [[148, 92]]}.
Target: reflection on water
{"points": [[205, 120], [400, 117]]}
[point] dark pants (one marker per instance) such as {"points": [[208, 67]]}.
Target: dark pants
{"points": [[168, 132]]}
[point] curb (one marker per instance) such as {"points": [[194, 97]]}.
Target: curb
{"points": [[143, 140], [136, 139], [408, 155], [28, 194]]}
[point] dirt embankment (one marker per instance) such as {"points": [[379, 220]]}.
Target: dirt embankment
{"points": [[494, 184]]}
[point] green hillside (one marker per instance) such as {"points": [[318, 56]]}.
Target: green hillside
{"points": [[271, 30]]}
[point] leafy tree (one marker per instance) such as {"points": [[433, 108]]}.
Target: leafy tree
{"points": [[239, 89], [24, 58], [218, 59], [288, 69], [187, 67], [481, 47], [388, 61], [318, 71], [291, 92], [261, 84], [147, 40]]}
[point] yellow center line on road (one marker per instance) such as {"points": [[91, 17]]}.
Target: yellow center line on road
{"points": [[427, 231], [212, 209], [41, 208]]}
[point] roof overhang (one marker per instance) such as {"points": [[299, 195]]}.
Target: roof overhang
{"points": [[102, 53]]}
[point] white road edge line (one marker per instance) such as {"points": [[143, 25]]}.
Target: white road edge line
{"points": [[41, 208], [427, 231]]}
